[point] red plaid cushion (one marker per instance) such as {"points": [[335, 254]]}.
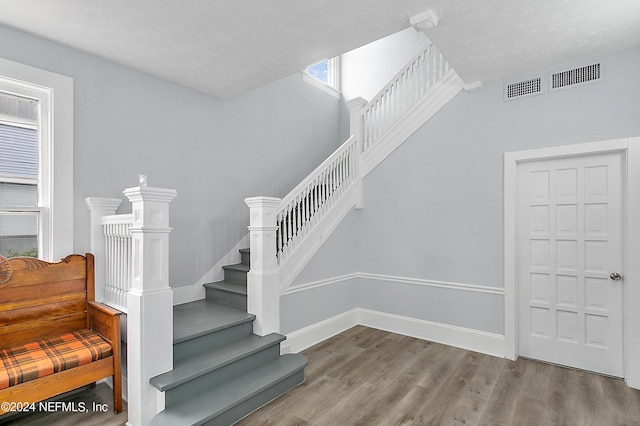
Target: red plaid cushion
{"points": [[39, 359]]}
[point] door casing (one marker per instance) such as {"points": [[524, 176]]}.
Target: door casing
{"points": [[630, 148]]}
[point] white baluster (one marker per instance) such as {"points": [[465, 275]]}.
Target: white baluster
{"points": [[299, 213]]}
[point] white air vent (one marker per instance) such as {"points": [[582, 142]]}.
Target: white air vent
{"points": [[587, 74], [523, 88]]}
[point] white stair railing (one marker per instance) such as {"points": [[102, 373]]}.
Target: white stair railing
{"points": [[402, 92], [135, 251], [294, 227], [118, 259], [305, 206]]}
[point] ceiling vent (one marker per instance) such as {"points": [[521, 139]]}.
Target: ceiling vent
{"points": [[520, 89], [587, 74]]}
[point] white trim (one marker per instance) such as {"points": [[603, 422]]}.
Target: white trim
{"points": [[431, 283], [404, 280], [25, 123], [460, 337], [19, 180], [57, 174], [320, 283], [473, 340], [631, 148], [193, 292], [472, 87], [320, 85], [308, 336], [632, 267]]}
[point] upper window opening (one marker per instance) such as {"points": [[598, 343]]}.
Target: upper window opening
{"points": [[327, 72], [320, 71]]}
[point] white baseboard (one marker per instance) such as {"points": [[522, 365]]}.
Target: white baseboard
{"points": [[465, 338], [308, 336], [460, 337]]}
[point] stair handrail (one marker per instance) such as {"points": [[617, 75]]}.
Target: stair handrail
{"points": [[284, 233], [305, 205], [426, 68]]}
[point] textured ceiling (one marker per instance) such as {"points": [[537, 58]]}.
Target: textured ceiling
{"points": [[227, 47], [487, 40]]}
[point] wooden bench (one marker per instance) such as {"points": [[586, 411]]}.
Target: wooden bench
{"points": [[43, 305]]}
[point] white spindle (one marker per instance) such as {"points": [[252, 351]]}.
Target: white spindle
{"points": [[408, 87], [118, 259], [304, 207]]}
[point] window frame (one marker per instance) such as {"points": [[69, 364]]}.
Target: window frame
{"points": [[55, 153], [333, 77]]}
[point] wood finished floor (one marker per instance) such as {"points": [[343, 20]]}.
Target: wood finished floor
{"points": [[371, 377], [368, 377]]}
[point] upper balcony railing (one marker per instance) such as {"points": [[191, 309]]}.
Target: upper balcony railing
{"points": [[402, 92]]}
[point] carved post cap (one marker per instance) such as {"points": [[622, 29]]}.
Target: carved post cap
{"points": [[358, 102], [262, 211], [150, 207], [148, 193], [100, 203]]}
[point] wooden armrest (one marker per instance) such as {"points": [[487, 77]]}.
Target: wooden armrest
{"points": [[104, 308], [105, 321]]}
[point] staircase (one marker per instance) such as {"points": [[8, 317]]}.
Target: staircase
{"points": [[221, 370]]}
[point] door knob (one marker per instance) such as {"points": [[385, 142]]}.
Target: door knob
{"points": [[615, 276]]}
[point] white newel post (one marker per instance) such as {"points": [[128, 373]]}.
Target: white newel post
{"points": [[149, 302], [263, 291], [356, 125], [99, 207]]}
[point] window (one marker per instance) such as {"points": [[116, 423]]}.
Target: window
{"points": [[20, 212], [36, 162], [326, 72]]}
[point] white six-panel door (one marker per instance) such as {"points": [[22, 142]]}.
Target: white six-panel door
{"points": [[569, 243]]}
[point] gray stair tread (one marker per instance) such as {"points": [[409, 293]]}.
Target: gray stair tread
{"points": [[228, 286], [208, 361], [216, 401], [194, 319], [241, 267]]}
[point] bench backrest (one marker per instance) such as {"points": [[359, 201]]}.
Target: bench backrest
{"points": [[39, 299]]}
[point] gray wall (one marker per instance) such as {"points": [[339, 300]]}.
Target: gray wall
{"points": [[214, 153], [433, 210], [336, 257]]}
